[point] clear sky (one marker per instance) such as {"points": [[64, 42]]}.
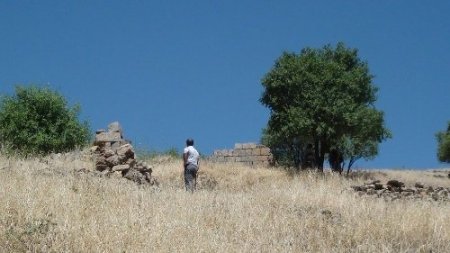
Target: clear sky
{"points": [[168, 70]]}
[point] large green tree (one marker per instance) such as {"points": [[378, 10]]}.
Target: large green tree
{"points": [[443, 139], [324, 97], [38, 120]]}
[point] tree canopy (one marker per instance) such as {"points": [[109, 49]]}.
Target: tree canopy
{"points": [[322, 97], [38, 120], [443, 139]]}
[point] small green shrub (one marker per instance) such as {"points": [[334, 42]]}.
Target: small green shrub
{"points": [[443, 139], [38, 120]]}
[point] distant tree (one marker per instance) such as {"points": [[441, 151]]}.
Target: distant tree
{"points": [[38, 120], [443, 139], [321, 97]]}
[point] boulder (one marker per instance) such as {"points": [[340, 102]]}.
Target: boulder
{"points": [[395, 183], [419, 185]]}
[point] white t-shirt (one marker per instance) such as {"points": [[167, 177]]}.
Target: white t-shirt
{"points": [[193, 155]]}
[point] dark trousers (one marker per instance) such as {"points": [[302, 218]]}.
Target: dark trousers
{"points": [[190, 176]]}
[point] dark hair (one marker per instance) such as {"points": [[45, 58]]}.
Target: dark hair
{"points": [[189, 142]]}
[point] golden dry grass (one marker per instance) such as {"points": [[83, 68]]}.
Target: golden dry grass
{"points": [[45, 207]]}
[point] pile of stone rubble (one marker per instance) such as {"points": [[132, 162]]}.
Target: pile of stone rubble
{"points": [[115, 156], [395, 189]]}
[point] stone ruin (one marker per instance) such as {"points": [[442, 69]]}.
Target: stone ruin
{"points": [[249, 154], [395, 189], [115, 156]]}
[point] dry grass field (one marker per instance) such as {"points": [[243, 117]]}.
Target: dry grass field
{"points": [[46, 207]]}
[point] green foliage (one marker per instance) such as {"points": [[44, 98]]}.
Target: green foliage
{"points": [[37, 120], [443, 139], [323, 97]]}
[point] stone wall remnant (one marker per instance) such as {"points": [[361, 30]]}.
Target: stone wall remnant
{"points": [[395, 189], [116, 155], [249, 154]]}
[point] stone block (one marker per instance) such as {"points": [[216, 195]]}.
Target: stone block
{"points": [[112, 160], [256, 152], [107, 137], [220, 159], [242, 152], [115, 127], [125, 151], [261, 158], [116, 145], [121, 167], [238, 146], [244, 159], [248, 145], [230, 159], [265, 151]]}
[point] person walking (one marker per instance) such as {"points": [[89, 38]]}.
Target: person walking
{"points": [[190, 164]]}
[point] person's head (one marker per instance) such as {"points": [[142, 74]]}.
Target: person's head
{"points": [[189, 142]]}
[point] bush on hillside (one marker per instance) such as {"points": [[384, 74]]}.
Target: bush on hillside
{"points": [[443, 139], [38, 120]]}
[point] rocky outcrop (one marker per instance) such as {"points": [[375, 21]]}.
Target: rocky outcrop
{"points": [[115, 156], [395, 189]]}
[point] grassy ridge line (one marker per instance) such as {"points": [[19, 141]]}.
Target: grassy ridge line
{"points": [[44, 207]]}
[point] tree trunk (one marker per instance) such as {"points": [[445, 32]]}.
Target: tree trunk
{"points": [[320, 155]]}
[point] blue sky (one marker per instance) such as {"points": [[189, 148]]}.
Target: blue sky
{"points": [[168, 70]]}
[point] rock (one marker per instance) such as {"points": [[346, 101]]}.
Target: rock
{"points": [[419, 185], [105, 173], [112, 161], [131, 162], [99, 131], [108, 153], [438, 189], [430, 189], [125, 152], [394, 189], [115, 127], [395, 183], [378, 186], [121, 167], [94, 149], [135, 176], [107, 137]]}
